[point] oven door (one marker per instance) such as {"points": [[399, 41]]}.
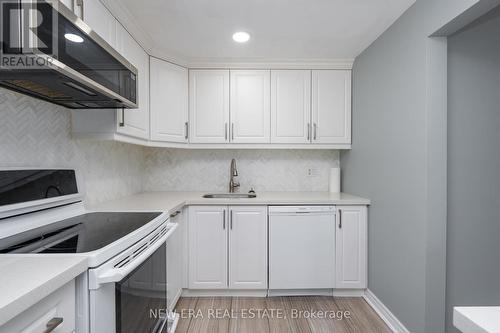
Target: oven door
{"points": [[129, 292], [141, 297]]}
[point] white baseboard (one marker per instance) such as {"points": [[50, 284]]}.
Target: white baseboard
{"points": [[387, 316]]}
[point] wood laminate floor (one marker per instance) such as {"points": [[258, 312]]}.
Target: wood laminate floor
{"points": [[312, 314]]}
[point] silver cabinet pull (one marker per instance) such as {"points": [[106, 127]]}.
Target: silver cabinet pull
{"points": [[340, 219], [175, 214], [122, 121], [231, 220], [224, 219], [308, 132], [225, 131], [186, 136], [52, 324], [232, 131], [315, 131]]}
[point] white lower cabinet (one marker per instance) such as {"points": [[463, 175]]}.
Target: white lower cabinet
{"points": [[351, 247], [227, 247], [56, 310], [207, 247], [247, 247]]}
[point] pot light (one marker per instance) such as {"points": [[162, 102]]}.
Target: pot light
{"points": [[241, 37], [73, 38]]}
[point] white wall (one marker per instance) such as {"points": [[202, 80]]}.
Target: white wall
{"points": [[265, 170], [37, 133]]}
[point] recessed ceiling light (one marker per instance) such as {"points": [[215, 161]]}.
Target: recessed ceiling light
{"points": [[73, 38], [241, 37]]}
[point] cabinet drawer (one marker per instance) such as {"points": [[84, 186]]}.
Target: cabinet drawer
{"points": [[59, 304]]}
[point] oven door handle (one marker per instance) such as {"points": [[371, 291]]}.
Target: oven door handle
{"points": [[118, 274]]}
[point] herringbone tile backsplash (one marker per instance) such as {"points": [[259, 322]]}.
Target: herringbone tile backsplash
{"points": [[265, 170], [37, 134]]}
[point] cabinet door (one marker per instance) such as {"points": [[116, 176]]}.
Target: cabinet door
{"points": [[248, 247], [331, 106], [169, 101], [97, 16], [290, 106], [60, 304], [250, 106], [351, 247], [208, 230], [174, 263], [68, 3], [209, 106], [135, 122]]}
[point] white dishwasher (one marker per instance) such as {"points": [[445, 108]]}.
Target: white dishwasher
{"points": [[301, 247]]}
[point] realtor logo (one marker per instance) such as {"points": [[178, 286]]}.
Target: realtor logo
{"points": [[28, 33]]}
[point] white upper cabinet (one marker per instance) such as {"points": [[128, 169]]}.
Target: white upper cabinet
{"points": [[331, 106], [290, 106], [97, 16], [351, 247], [248, 247], [169, 102], [68, 3], [250, 106], [209, 106], [134, 122]]}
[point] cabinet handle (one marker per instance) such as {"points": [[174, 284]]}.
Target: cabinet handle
{"points": [[52, 324], [225, 131], [231, 220], [175, 214], [232, 131], [340, 219], [186, 124], [308, 132], [122, 121], [224, 219], [315, 131]]}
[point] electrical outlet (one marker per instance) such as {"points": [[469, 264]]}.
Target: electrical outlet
{"points": [[312, 172]]}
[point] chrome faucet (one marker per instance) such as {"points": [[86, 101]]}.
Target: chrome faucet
{"points": [[234, 173]]}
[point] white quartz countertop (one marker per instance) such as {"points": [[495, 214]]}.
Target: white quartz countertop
{"points": [[477, 319], [172, 201], [27, 279]]}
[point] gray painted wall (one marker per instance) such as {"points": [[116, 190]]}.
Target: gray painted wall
{"points": [[473, 270], [398, 160]]}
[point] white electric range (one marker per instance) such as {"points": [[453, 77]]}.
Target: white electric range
{"points": [[125, 287]]}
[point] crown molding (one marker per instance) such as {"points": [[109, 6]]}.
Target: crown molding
{"points": [[272, 63]]}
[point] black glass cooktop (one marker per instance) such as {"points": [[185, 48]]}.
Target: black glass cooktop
{"points": [[79, 234]]}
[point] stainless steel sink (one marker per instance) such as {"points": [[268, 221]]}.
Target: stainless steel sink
{"points": [[230, 195]]}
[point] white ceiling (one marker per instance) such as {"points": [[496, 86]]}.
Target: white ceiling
{"points": [[279, 29]]}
